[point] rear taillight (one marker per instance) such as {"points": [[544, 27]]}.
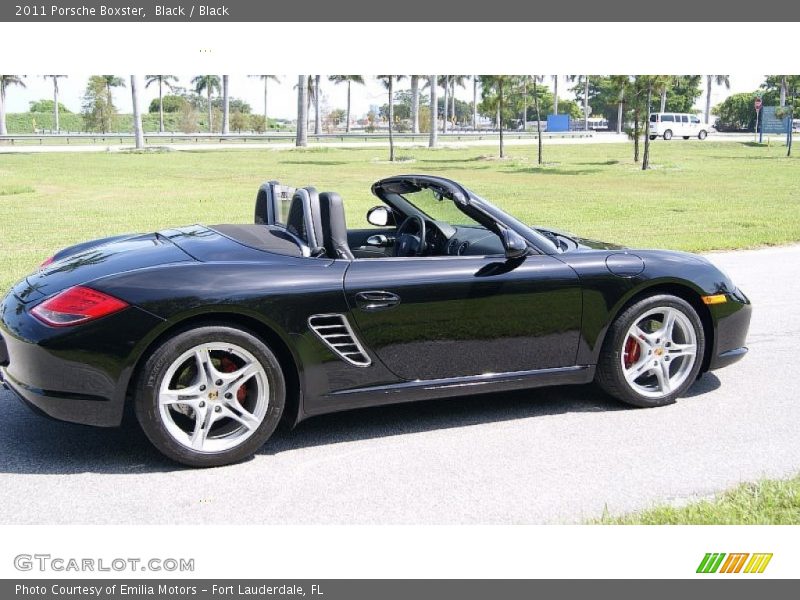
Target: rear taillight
{"points": [[76, 305], [46, 262]]}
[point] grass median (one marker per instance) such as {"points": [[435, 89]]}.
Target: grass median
{"points": [[768, 502], [699, 196]]}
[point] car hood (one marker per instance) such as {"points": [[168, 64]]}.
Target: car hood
{"points": [[89, 261]]}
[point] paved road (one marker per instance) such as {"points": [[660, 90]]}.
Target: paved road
{"points": [[557, 455], [599, 138]]}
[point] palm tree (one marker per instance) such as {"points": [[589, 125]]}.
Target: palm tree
{"points": [[710, 80], [350, 80], [388, 82], [137, 115], [266, 79], [415, 103], [226, 105], [317, 122], [56, 124], [302, 111], [460, 81], [584, 79], [665, 83], [161, 80], [497, 84], [474, 102], [555, 94], [535, 79], [445, 83], [432, 141], [620, 83], [112, 81], [7, 81], [208, 84]]}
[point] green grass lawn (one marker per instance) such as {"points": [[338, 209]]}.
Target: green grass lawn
{"points": [[698, 196], [768, 502]]}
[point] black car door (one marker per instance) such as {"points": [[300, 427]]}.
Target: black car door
{"points": [[438, 317]]}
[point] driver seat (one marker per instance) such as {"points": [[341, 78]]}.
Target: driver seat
{"points": [[334, 226]]}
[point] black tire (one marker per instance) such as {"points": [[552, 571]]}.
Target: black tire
{"points": [[702, 135], [609, 375], [652, 137], [155, 368], [686, 137], [668, 134]]}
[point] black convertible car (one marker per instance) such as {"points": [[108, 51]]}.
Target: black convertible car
{"points": [[215, 334]]}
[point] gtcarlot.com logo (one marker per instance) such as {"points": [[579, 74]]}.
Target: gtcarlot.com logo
{"points": [[737, 562], [59, 564]]}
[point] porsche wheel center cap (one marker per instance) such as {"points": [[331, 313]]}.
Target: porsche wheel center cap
{"points": [[213, 395]]}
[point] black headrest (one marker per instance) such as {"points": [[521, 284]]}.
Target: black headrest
{"points": [[272, 202], [334, 226], [304, 218]]}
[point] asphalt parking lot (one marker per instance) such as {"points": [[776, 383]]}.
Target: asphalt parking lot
{"points": [[555, 455]]}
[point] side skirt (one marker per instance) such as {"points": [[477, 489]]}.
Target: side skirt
{"points": [[430, 389]]}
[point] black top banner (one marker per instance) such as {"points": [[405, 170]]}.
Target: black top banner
{"points": [[404, 11]]}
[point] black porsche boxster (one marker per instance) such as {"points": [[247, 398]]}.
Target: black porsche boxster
{"points": [[216, 334]]}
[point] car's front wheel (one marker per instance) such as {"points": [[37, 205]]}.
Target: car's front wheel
{"points": [[702, 135], [652, 352], [210, 396]]}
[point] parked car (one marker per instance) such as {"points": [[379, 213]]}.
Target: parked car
{"points": [[685, 125], [215, 334]]}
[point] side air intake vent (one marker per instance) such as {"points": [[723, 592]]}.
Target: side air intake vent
{"points": [[337, 334]]}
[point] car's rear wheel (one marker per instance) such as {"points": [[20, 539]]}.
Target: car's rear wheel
{"points": [[210, 396], [702, 135], [653, 352], [652, 137], [668, 134]]}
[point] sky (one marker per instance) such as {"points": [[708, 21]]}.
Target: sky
{"points": [[282, 97]]}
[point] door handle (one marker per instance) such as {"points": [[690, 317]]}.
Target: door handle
{"points": [[375, 301]]}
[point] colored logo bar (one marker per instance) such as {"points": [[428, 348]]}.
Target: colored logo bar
{"points": [[736, 562]]}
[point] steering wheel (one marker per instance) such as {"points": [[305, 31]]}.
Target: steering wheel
{"points": [[409, 244]]}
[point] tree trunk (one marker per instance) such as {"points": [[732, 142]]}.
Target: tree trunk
{"points": [[620, 109], [524, 106], [266, 118], [415, 103], [3, 130], [586, 103], [391, 118], [453, 101], [783, 91], [226, 112], [444, 113], [646, 157], [208, 97], [56, 115], [347, 126], [555, 94], [432, 141], [663, 99], [160, 107], [538, 119], [474, 102], [636, 134], [317, 128], [137, 115], [500, 117], [708, 97], [302, 111]]}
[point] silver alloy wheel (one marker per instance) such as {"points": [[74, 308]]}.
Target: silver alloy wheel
{"points": [[213, 397], [658, 352]]}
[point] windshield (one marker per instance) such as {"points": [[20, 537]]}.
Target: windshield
{"points": [[433, 206]]}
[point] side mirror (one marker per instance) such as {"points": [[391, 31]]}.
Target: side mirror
{"points": [[380, 216], [516, 246]]}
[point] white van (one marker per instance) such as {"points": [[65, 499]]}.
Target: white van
{"points": [[685, 125]]}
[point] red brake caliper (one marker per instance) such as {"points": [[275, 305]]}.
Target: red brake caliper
{"points": [[632, 352], [228, 366]]}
